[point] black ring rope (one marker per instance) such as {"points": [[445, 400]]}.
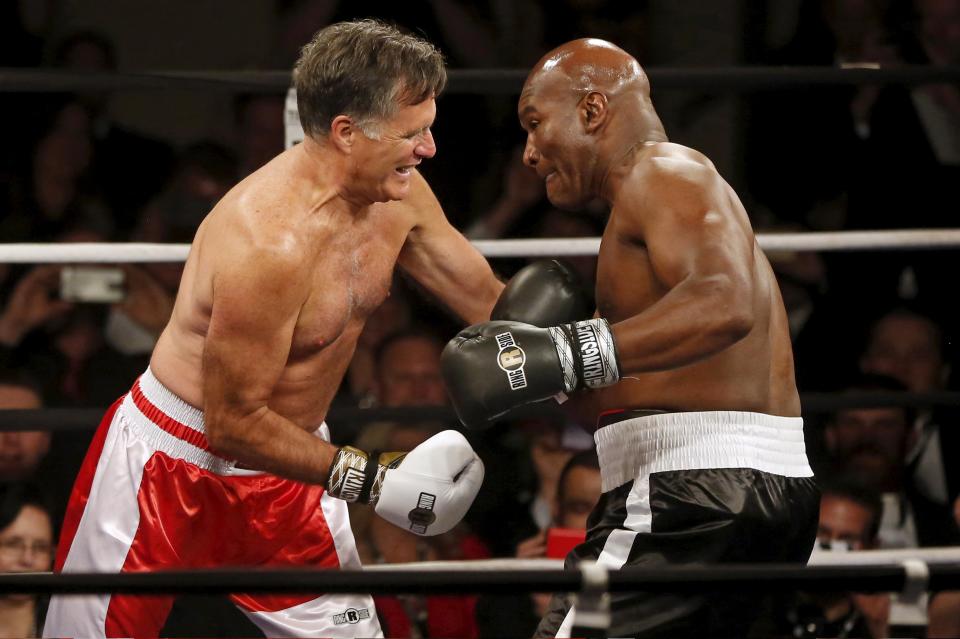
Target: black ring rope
{"points": [[479, 81], [63, 419], [766, 578]]}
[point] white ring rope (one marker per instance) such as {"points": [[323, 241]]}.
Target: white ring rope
{"points": [[947, 555], [134, 252], [930, 556]]}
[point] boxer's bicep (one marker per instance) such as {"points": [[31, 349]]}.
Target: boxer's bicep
{"points": [[254, 312], [444, 262], [696, 248], [692, 235]]}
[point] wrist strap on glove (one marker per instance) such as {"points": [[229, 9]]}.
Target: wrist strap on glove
{"points": [[356, 476], [587, 354]]}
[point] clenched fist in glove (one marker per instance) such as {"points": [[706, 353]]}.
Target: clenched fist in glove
{"points": [[492, 367], [544, 293], [426, 491]]}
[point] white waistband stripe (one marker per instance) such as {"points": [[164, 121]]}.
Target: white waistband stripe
{"points": [[640, 446]]}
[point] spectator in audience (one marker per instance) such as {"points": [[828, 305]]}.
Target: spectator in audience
{"points": [[26, 545], [522, 209], [943, 615], [871, 444], [937, 29], [522, 191], [32, 302], [829, 33], [131, 167], [54, 189], [909, 344], [880, 138], [259, 132], [48, 336], [20, 451], [407, 370], [134, 324], [83, 353], [850, 516], [204, 172], [50, 459], [578, 490], [551, 447]]}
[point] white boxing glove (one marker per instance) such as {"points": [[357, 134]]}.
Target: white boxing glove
{"points": [[426, 491]]}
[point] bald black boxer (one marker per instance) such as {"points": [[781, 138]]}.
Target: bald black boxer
{"points": [[686, 368]]}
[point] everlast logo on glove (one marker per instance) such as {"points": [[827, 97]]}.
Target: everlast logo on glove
{"points": [[510, 359]]}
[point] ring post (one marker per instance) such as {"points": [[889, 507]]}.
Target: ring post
{"points": [[591, 606], [908, 608]]}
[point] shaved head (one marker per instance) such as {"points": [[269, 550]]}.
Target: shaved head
{"points": [[590, 64], [585, 107]]}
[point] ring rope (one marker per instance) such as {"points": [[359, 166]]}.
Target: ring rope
{"points": [[141, 252], [932, 556], [483, 81], [762, 578], [68, 419]]}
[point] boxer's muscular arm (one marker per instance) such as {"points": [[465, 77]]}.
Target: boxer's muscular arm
{"points": [[702, 251], [443, 260], [255, 308]]}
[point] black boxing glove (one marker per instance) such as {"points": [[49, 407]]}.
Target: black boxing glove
{"points": [[544, 293], [492, 367]]}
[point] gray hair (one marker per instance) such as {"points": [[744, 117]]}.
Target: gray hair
{"points": [[367, 70]]}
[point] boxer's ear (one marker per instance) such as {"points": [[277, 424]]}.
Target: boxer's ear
{"points": [[343, 132], [593, 111]]}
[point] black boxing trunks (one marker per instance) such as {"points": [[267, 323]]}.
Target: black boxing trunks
{"points": [[692, 489], [151, 495]]}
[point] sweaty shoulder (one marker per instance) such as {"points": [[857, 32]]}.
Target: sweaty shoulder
{"points": [[254, 224], [668, 173]]}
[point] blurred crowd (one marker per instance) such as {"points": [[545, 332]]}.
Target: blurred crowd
{"points": [[833, 158]]}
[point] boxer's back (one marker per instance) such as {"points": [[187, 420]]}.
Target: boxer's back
{"points": [[753, 374], [346, 263]]}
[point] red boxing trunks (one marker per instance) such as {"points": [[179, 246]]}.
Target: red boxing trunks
{"points": [[152, 496]]}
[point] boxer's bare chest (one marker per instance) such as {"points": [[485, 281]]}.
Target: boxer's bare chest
{"points": [[351, 278], [626, 283]]}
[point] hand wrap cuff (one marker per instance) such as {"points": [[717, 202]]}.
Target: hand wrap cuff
{"points": [[356, 476], [588, 354]]}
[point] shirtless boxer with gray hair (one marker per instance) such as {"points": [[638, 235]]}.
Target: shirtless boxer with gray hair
{"points": [[219, 455], [686, 367]]}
